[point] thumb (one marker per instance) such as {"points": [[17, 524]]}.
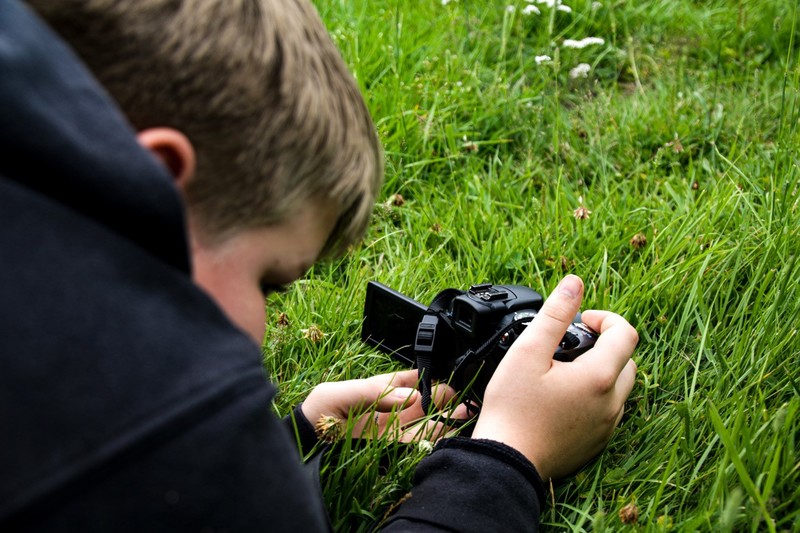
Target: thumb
{"points": [[395, 398], [541, 338]]}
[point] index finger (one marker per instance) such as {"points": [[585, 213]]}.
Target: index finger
{"points": [[402, 378], [616, 342]]}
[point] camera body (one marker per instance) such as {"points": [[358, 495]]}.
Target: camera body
{"points": [[463, 335]]}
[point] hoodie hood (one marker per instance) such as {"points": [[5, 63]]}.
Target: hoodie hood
{"points": [[63, 136]]}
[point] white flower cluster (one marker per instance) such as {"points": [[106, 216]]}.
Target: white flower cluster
{"points": [[553, 4], [581, 71], [582, 43]]}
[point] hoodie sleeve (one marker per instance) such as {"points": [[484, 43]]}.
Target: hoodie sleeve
{"points": [[472, 485]]}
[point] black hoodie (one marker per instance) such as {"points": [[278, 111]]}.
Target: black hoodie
{"points": [[128, 401]]}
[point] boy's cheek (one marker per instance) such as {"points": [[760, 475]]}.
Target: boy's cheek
{"points": [[241, 300], [247, 311]]}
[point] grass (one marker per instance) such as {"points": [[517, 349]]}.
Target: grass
{"points": [[684, 132]]}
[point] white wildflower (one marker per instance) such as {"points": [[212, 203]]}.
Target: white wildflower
{"points": [[596, 6], [445, 2], [554, 4], [583, 43], [581, 71], [542, 59], [531, 9], [509, 9]]}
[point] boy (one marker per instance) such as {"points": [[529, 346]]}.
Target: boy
{"points": [[156, 411]]}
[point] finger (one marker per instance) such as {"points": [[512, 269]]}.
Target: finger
{"points": [[391, 426], [374, 424], [445, 424], [443, 398], [429, 430], [442, 395], [625, 382], [358, 395], [458, 414], [538, 342], [403, 383], [619, 416], [404, 378], [624, 396], [411, 420], [616, 342], [623, 390], [461, 412], [395, 398]]}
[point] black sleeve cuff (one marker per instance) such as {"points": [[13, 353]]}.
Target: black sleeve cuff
{"points": [[302, 430], [471, 486], [504, 453]]}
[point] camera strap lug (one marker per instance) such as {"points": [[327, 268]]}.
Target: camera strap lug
{"points": [[425, 342], [423, 349]]}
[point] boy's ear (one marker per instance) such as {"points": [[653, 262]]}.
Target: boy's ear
{"points": [[173, 149]]}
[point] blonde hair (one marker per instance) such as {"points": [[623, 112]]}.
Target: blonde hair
{"points": [[257, 86]]}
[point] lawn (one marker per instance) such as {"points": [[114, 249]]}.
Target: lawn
{"points": [[675, 129]]}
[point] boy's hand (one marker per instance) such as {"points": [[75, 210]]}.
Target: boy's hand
{"points": [[560, 415], [385, 404]]}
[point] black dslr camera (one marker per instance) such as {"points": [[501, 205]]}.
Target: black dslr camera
{"points": [[462, 336]]}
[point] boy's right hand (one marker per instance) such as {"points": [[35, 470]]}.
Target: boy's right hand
{"points": [[560, 415]]}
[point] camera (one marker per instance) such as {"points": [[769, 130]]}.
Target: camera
{"points": [[462, 336]]}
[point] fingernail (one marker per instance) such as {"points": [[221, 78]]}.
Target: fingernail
{"points": [[403, 392], [570, 286]]}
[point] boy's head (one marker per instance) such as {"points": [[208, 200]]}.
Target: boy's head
{"points": [[257, 87], [276, 131]]}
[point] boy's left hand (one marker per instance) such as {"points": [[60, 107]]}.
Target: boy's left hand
{"points": [[387, 404]]}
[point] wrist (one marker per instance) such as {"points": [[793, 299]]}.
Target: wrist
{"points": [[512, 437], [302, 429]]}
